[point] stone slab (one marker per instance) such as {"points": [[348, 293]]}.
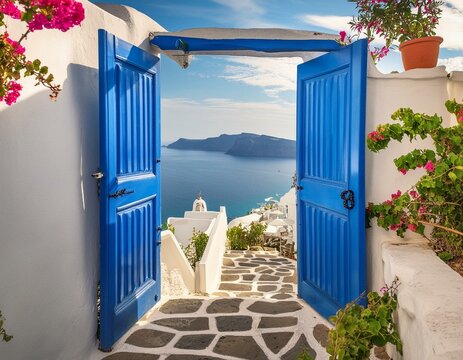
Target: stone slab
{"points": [[185, 324], [181, 306], [267, 322], [282, 296], [266, 288], [148, 338], [244, 347], [320, 333], [195, 342], [235, 287], [226, 306], [280, 307], [298, 348], [192, 357], [131, 356], [234, 323], [266, 277], [227, 277], [276, 341]]}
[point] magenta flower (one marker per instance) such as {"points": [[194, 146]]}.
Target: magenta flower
{"points": [[414, 194], [10, 9], [396, 195], [12, 93], [429, 166], [342, 35], [412, 227], [403, 171], [375, 136]]}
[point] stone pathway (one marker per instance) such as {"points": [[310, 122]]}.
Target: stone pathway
{"points": [[254, 315]]}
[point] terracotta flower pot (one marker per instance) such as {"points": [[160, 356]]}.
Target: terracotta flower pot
{"points": [[421, 52]]}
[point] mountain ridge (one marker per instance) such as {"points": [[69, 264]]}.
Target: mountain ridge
{"points": [[243, 145]]}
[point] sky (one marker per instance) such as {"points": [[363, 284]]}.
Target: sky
{"points": [[217, 95]]}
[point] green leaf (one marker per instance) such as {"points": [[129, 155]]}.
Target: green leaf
{"points": [[452, 176], [36, 63]]}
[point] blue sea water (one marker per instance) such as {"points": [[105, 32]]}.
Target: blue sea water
{"points": [[238, 183]]}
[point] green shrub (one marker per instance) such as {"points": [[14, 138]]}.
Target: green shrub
{"points": [[195, 249], [437, 198], [170, 227], [3, 335], [241, 238], [237, 238], [357, 329]]}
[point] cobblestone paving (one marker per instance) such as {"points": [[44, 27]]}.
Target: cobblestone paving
{"points": [[254, 315]]}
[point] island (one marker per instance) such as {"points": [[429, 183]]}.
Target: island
{"points": [[244, 144]]}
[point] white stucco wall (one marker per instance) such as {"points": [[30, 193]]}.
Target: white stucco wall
{"points": [[185, 227], [208, 270], [178, 277], [290, 200], [423, 303], [49, 209]]}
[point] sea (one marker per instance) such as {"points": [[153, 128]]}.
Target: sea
{"points": [[238, 183]]}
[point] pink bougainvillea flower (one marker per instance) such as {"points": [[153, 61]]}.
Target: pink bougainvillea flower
{"points": [[383, 290], [412, 227], [388, 202], [66, 14], [12, 93], [403, 171], [342, 35], [430, 166], [375, 136], [8, 7], [17, 48], [413, 194], [459, 115], [396, 195], [394, 227]]}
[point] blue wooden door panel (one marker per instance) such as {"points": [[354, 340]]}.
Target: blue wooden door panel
{"points": [[129, 199], [330, 159]]}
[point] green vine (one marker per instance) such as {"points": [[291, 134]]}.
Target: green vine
{"points": [[195, 249], [358, 329], [437, 198]]}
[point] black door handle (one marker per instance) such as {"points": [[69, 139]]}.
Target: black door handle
{"points": [[348, 199], [120, 193]]}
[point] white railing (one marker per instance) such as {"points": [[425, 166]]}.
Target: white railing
{"points": [[208, 270], [175, 264]]}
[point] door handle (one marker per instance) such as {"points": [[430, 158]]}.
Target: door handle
{"points": [[120, 193], [348, 199]]}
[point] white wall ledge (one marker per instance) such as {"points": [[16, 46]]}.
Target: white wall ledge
{"points": [[430, 313], [438, 72]]}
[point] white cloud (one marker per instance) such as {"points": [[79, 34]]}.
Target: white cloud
{"points": [[330, 22], [451, 25], [246, 13], [242, 6], [273, 75], [210, 117], [452, 64]]}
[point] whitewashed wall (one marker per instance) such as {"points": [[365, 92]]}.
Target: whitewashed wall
{"points": [[290, 200], [186, 227], [426, 330], [49, 230], [208, 270]]}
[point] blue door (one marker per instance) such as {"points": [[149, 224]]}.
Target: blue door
{"points": [[331, 92], [129, 195]]}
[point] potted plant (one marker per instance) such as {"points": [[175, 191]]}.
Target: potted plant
{"points": [[411, 23]]}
